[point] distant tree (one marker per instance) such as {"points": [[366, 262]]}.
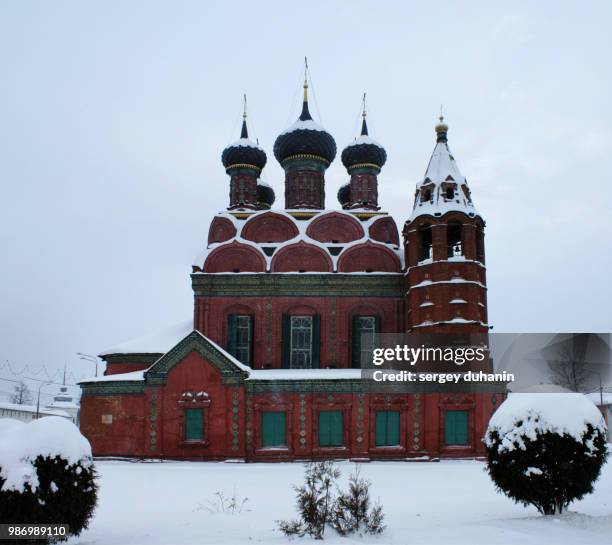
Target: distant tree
{"points": [[21, 394], [568, 368]]}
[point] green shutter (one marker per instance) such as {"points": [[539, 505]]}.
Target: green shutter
{"points": [[387, 428], [356, 343], [232, 333], [194, 425], [330, 429], [393, 428], [316, 341], [286, 342], [456, 427], [273, 429]]}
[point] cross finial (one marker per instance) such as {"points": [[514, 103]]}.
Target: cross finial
{"points": [[364, 125], [441, 114], [244, 133], [305, 79], [305, 115]]}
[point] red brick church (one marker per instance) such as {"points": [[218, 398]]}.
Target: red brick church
{"points": [[285, 303]]}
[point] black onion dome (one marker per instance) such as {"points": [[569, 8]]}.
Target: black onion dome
{"points": [[244, 152], [364, 151], [265, 194], [344, 195], [305, 138]]}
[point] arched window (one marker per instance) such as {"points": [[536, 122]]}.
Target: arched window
{"points": [[363, 339], [480, 253], [425, 249], [453, 239]]}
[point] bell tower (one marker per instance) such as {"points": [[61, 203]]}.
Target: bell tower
{"points": [[444, 250]]}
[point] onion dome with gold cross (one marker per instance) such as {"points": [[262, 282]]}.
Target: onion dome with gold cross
{"points": [[305, 139], [244, 153], [364, 152]]}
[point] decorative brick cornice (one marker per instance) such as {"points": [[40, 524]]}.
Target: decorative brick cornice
{"points": [[307, 386], [307, 285], [112, 388], [314, 386]]}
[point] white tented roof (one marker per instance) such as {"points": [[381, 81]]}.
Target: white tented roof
{"points": [[442, 168], [154, 343]]}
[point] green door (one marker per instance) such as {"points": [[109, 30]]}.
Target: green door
{"points": [[456, 427], [387, 428], [273, 432], [194, 425], [330, 429]]}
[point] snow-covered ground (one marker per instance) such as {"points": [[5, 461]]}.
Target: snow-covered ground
{"points": [[450, 502]]}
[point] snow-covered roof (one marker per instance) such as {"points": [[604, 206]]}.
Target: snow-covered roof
{"points": [[245, 143], [139, 376], [526, 415], [32, 409], [364, 139], [596, 398], [63, 405], [234, 360], [303, 125], [253, 374], [442, 168], [301, 226], [158, 342], [133, 376]]}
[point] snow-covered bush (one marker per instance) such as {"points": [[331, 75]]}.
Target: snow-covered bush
{"points": [[546, 450], [46, 474], [352, 512]]}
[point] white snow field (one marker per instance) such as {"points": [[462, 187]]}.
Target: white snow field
{"points": [[437, 503]]}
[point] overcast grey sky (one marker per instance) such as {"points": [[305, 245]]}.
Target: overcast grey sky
{"points": [[113, 116]]}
